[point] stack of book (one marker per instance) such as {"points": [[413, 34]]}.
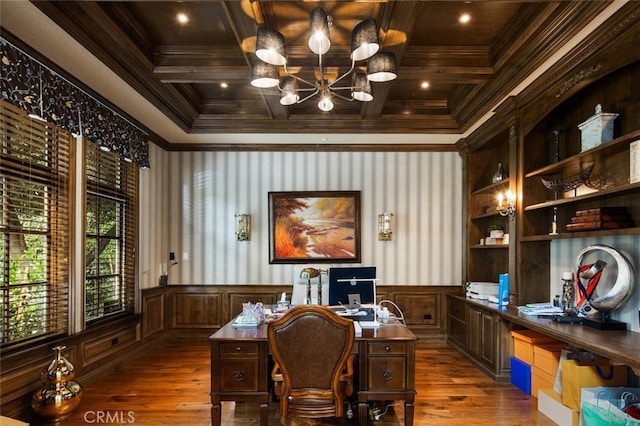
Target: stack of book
{"points": [[600, 218]]}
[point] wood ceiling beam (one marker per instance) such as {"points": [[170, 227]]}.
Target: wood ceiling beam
{"points": [[202, 64], [519, 53], [245, 28], [98, 26], [398, 22], [252, 123]]}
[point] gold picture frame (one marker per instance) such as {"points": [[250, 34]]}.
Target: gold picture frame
{"points": [[314, 227]]}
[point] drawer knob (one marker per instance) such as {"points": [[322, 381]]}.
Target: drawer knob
{"points": [[238, 376], [387, 348], [238, 349], [387, 374]]}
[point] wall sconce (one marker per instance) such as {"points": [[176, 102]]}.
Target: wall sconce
{"points": [[384, 226], [243, 227], [507, 204]]}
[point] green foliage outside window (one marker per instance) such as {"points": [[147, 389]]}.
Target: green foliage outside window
{"points": [[103, 256], [27, 284]]}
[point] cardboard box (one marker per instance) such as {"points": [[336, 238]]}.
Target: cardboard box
{"points": [[589, 374], [525, 340], [547, 357], [521, 375], [550, 404], [541, 379]]}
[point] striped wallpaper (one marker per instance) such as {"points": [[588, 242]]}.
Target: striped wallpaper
{"points": [[188, 202]]}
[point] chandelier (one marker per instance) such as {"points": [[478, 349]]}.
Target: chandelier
{"points": [[381, 66]]}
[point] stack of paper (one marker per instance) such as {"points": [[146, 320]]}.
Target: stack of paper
{"points": [[540, 309]]}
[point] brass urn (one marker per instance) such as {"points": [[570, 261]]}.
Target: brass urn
{"points": [[59, 395]]}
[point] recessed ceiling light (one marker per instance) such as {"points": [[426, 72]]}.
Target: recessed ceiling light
{"points": [[224, 85], [464, 18], [425, 85], [182, 18]]}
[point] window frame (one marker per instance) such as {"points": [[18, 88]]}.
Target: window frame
{"points": [[34, 153], [117, 182]]}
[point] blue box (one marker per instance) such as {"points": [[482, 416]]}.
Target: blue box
{"points": [[521, 375]]}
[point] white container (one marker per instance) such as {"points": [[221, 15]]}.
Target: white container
{"points": [[597, 129], [496, 233]]}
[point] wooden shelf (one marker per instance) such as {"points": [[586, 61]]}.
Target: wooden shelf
{"points": [[493, 188], [582, 234], [490, 246], [591, 196], [587, 158], [486, 215]]}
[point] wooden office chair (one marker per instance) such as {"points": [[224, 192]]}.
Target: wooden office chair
{"points": [[313, 373]]}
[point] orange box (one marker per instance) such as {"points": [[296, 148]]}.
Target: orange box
{"points": [[547, 357], [525, 340], [589, 374], [541, 379]]}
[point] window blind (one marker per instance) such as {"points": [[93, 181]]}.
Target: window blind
{"points": [[111, 229], [34, 224]]}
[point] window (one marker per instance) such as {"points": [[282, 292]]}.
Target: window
{"points": [[110, 228], [34, 225]]}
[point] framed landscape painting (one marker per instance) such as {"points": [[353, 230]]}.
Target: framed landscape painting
{"points": [[314, 226]]}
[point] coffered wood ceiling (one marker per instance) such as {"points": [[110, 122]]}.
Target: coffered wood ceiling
{"points": [[179, 68]]}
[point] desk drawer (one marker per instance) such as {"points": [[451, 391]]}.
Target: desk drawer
{"points": [[239, 375], [239, 348], [387, 348], [387, 373]]}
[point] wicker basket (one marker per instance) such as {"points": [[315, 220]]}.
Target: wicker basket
{"points": [[560, 184]]}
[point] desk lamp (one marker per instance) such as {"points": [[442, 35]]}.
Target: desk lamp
{"points": [[309, 274]]}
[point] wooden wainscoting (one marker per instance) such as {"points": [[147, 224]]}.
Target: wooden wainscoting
{"points": [[93, 352], [194, 312]]}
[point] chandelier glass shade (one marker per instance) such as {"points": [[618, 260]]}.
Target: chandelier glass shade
{"points": [[271, 53]]}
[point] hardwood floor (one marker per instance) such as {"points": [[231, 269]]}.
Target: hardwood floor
{"points": [[170, 387]]}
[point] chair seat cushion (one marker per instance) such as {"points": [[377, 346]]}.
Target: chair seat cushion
{"points": [[311, 407]]}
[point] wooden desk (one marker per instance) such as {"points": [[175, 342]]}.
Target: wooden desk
{"points": [[621, 346], [240, 368], [618, 345]]}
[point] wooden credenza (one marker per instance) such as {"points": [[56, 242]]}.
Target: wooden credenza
{"points": [[240, 368], [491, 351]]}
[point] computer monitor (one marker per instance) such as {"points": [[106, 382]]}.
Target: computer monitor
{"points": [[344, 282]]}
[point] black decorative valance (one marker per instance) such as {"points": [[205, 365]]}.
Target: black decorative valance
{"points": [[40, 91]]}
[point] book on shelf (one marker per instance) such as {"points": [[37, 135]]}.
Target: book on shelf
{"points": [[602, 210], [600, 218], [618, 217], [591, 226], [634, 162]]}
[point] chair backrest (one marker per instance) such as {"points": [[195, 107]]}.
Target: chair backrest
{"points": [[311, 345]]}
